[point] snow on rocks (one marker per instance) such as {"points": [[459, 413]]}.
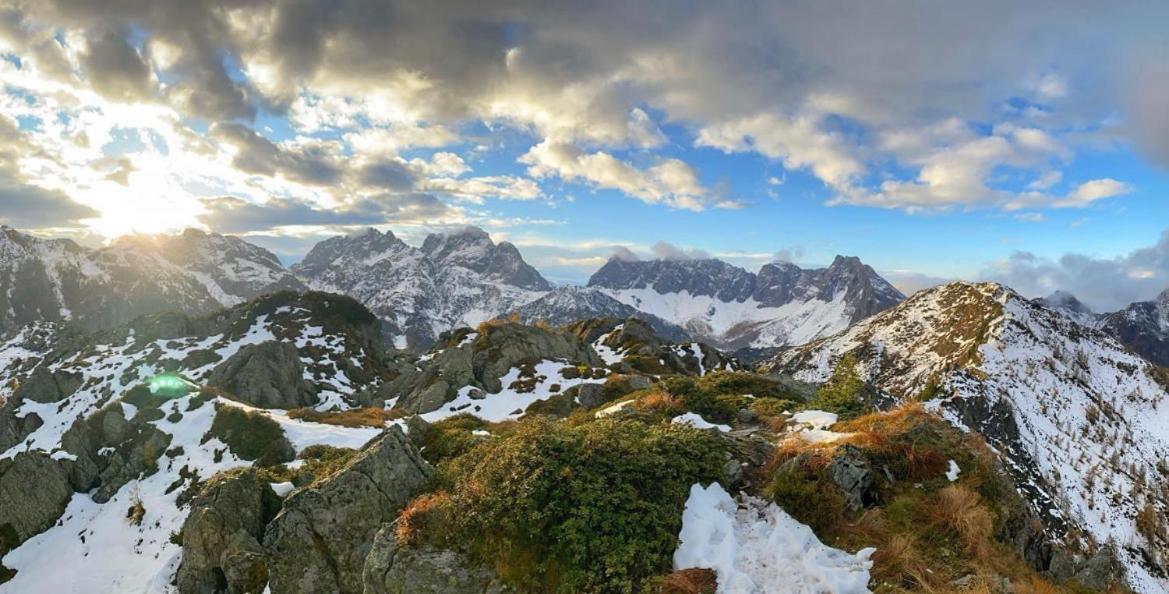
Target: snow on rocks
{"points": [[695, 420], [757, 548], [518, 393], [812, 426]]}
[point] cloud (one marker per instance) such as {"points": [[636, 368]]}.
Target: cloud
{"points": [[233, 215], [664, 250], [623, 254], [670, 181], [33, 207], [789, 255], [116, 69], [1105, 284]]}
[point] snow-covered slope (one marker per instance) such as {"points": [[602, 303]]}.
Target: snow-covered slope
{"points": [[732, 308], [757, 548], [194, 272], [453, 280], [1083, 423], [110, 444]]}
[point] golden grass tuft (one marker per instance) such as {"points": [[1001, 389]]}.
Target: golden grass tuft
{"points": [[357, 417], [961, 510], [424, 515], [689, 581]]}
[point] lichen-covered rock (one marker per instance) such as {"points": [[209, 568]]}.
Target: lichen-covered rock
{"points": [[221, 536], [267, 375], [43, 385], [319, 540], [23, 475], [423, 569]]}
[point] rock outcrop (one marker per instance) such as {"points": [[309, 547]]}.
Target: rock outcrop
{"points": [[423, 569], [320, 539], [221, 536], [26, 516], [267, 375]]}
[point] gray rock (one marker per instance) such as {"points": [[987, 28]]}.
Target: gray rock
{"points": [[136, 447], [1099, 571], [422, 569], [221, 536], [43, 385], [590, 395], [850, 470], [267, 375], [319, 541], [25, 474]]}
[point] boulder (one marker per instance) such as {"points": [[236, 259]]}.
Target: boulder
{"points": [[43, 385], [320, 539], [267, 375], [423, 569], [850, 470], [221, 536], [22, 475]]}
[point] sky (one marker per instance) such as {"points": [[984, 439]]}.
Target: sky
{"points": [[1026, 143]]}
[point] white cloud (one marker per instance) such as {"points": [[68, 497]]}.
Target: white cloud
{"points": [[670, 181]]}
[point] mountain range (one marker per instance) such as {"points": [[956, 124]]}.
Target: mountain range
{"points": [[462, 278], [453, 279]]}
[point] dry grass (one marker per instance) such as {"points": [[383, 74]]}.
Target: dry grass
{"points": [[357, 417], [660, 401], [689, 581], [961, 510], [423, 515]]}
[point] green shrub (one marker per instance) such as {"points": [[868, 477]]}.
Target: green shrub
{"points": [[450, 437], [702, 400], [844, 393], [588, 508], [771, 407], [741, 382], [250, 435], [808, 496]]}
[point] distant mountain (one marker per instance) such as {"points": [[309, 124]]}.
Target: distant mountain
{"points": [[1082, 421], [1070, 306], [1143, 327], [454, 279], [732, 308], [194, 272], [568, 304]]}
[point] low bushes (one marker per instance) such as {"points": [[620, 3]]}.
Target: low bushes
{"points": [[554, 507], [251, 435]]}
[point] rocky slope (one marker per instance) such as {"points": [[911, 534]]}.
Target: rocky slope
{"points": [[452, 280], [119, 429], [194, 272], [1143, 327], [731, 308], [1082, 421], [568, 304]]}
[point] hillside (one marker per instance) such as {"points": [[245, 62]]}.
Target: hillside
{"points": [[1083, 421]]}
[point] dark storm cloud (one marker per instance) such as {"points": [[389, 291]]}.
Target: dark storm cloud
{"points": [[233, 215], [389, 175], [32, 207], [115, 68], [259, 155]]}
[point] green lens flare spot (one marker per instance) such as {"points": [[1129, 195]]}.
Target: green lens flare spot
{"points": [[170, 385]]}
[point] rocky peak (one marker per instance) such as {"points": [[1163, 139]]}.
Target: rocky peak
{"points": [[367, 246], [706, 277], [473, 249]]}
